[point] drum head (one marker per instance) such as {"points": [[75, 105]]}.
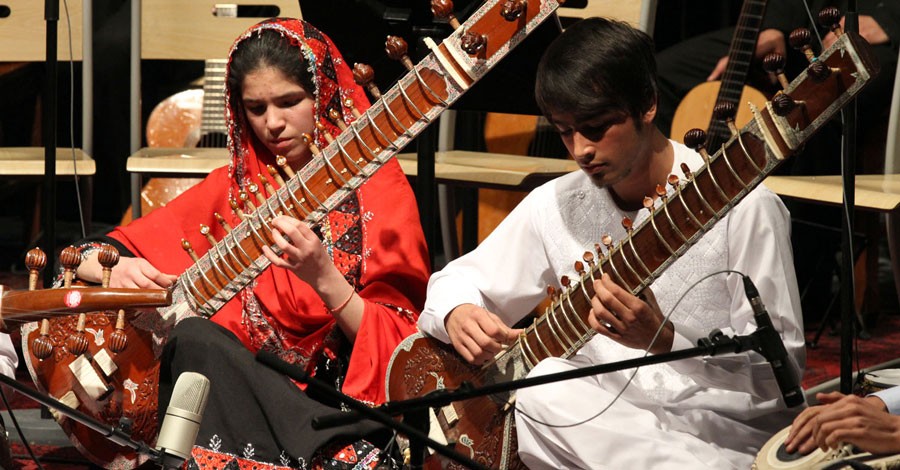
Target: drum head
{"points": [[773, 456], [884, 378]]}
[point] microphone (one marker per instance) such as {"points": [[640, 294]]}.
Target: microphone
{"points": [[771, 346], [182, 421]]}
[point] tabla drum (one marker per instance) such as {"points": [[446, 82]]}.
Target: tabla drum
{"points": [[773, 457], [878, 380]]}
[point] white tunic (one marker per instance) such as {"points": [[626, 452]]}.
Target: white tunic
{"points": [[701, 412]]}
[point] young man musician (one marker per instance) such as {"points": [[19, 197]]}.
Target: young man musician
{"points": [[597, 84]]}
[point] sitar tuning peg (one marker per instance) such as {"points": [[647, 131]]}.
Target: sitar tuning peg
{"points": [[783, 104], [245, 200], [253, 189], [579, 268], [273, 172], [696, 140], [222, 222], [396, 49], [588, 258], [830, 18], [799, 39], [819, 71], [108, 257], [310, 144], [661, 191], [627, 224], [607, 241], [673, 180], [236, 208], [349, 104], [186, 246], [35, 261], [324, 132], [512, 10], [42, 347], [470, 42], [688, 174], [206, 232], [443, 9], [69, 258], [118, 340], [774, 64], [364, 76], [336, 118], [726, 111], [77, 342], [283, 164], [648, 203], [553, 293]]}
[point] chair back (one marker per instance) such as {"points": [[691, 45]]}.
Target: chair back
{"points": [[639, 13], [198, 29]]}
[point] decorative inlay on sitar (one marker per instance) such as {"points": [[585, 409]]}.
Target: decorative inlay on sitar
{"points": [[676, 221]]}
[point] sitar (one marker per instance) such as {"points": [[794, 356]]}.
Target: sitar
{"points": [[484, 428], [697, 106], [366, 142]]}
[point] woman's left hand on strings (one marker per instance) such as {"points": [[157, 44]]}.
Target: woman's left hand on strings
{"points": [[303, 253]]}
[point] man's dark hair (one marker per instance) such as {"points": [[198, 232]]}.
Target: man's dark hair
{"points": [[597, 66], [268, 48]]}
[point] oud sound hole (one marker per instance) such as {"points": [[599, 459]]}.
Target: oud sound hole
{"points": [[5, 11]]}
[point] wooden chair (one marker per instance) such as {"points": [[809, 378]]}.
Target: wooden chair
{"points": [[22, 40], [180, 30]]}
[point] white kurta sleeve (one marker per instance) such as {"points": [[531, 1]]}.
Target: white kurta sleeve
{"points": [[891, 398], [8, 358], [759, 246], [506, 274]]}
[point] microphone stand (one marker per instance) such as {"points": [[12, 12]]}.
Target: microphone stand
{"points": [[361, 410], [717, 343], [48, 127], [848, 164], [113, 433]]}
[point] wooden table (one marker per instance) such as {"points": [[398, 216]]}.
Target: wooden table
{"points": [[873, 192], [27, 163]]}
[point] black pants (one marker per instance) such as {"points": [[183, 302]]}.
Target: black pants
{"points": [[251, 408]]}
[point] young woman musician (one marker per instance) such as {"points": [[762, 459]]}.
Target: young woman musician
{"points": [[336, 302]]}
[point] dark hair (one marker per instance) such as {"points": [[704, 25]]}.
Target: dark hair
{"points": [[267, 48], [596, 66]]}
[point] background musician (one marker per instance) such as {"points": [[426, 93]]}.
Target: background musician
{"points": [[704, 57], [336, 306], [695, 413], [870, 423]]}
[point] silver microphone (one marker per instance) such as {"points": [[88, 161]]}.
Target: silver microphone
{"points": [[182, 421]]}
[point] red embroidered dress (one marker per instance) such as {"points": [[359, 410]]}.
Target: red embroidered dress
{"points": [[373, 237]]}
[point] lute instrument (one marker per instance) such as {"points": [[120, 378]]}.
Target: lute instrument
{"points": [[697, 106], [366, 142], [483, 428]]}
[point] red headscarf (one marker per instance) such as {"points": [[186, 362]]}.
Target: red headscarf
{"points": [[374, 237]]}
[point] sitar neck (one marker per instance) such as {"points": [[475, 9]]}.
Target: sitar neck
{"points": [[368, 142]]}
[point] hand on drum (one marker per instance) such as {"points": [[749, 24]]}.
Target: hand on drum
{"points": [[845, 419]]}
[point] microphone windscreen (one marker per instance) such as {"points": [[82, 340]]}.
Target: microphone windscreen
{"points": [[182, 421]]}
